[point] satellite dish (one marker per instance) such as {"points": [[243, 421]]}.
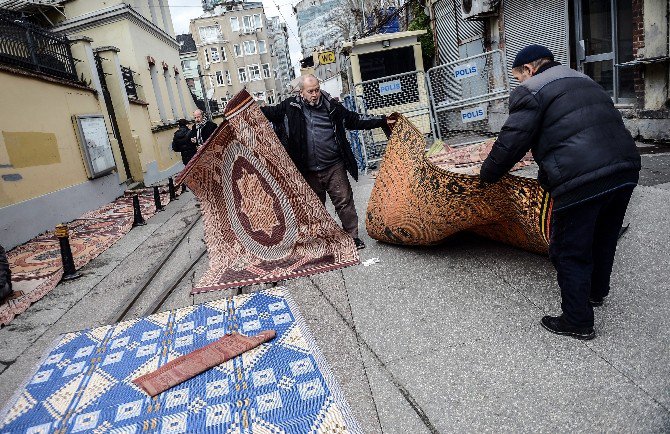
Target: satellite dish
{"points": [[210, 93]]}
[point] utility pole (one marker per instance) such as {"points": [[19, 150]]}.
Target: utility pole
{"points": [[208, 110]]}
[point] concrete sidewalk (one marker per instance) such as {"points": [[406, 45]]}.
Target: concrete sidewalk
{"points": [[429, 340]]}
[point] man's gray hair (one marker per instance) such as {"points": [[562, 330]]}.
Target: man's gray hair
{"points": [[301, 80], [535, 63]]}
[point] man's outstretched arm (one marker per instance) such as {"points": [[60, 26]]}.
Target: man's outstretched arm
{"points": [[516, 137]]}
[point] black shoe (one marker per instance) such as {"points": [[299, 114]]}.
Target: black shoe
{"points": [[359, 243], [596, 302], [555, 324]]}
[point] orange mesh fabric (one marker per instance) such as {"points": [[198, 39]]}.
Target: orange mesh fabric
{"points": [[263, 223], [415, 202]]}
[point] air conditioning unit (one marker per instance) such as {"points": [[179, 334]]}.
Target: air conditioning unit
{"points": [[479, 9], [207, 65]]}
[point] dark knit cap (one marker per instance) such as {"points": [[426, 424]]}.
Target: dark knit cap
{"points": [[530, 53]]}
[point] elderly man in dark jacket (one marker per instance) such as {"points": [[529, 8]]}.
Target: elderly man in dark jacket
{"points": [[202, 129], [314, 128], [589, 163]]}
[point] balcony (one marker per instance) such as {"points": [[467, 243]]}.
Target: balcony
{"points": [[27, 46]]}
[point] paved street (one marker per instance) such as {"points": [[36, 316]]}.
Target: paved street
{"points": [[428, 340]]}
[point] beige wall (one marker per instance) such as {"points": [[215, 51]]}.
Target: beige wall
{"points": [[137, 121], [38, 142], [77, 8]]}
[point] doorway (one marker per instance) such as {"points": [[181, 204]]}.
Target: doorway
{"points": [[603, 39]]}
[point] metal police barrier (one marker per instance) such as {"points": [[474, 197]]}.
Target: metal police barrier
{"points": [[404, 93], [354, 135], [469, 98]]}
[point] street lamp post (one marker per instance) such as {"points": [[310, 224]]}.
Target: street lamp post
{"points": [[208, 110]]}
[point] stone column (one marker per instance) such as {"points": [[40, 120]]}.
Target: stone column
{"points": [[117, 91]]}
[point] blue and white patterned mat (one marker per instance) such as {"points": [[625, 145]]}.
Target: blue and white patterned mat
{"points": [[84, 384]]}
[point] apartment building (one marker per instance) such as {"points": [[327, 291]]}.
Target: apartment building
{"points": [[233, 46], [284, 71], [188, 54]]}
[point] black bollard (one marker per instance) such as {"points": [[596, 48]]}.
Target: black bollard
{"points": [[183, 188], [157, 199], [69, 271], [138, 220], [173, 193]]}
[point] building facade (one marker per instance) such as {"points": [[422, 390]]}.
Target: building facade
{"points": [[284, 71], [621, 44], [316, 28], [105, 123], [233, 46], [188, 53]]}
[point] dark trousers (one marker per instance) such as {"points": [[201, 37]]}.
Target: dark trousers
{"points": [[187, 155], [582, 247], [334, 181]]}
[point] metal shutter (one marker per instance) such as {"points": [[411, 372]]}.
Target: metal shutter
{"points": [[535, 22], [451, 29]]}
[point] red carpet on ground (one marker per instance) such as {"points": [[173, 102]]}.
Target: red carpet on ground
{"points": [[36, 265]]}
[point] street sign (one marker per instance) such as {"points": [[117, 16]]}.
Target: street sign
{"points": [[389, 87], [326, 57]]}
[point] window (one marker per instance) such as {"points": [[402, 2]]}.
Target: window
{"points": [[223, 102], [247, 23], [254, 72], [234, 24], [223, 54], [266, 70], [257, 21], [242, 75], [249, 47], [262, 48], [209, 34], [215, 54], [271, 97], [207, 56], [219, 78], [237, 50], [228, 79], [189, 64]]}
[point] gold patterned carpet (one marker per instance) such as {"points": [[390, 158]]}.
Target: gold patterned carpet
{"points": [[416, 201]]}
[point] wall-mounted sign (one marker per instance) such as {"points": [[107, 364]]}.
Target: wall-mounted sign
{"points": [[390, 87], [95, 145], [473, 114], [326, 57], [465, 71]]}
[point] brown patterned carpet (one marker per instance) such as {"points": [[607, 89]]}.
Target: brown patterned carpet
{"points": [[36, 265], [263, 223], [416, 202]]}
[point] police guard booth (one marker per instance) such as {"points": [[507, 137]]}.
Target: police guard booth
{"points": [[387, 76]]}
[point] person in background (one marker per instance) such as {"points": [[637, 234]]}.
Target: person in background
{"points": [[181, 142], [201, 130], [589, 163]]}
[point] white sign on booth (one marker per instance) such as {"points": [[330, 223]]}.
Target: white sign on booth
{"points": [[390, 87]]}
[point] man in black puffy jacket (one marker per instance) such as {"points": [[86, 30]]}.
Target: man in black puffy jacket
{"points": [[589, 163]]}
